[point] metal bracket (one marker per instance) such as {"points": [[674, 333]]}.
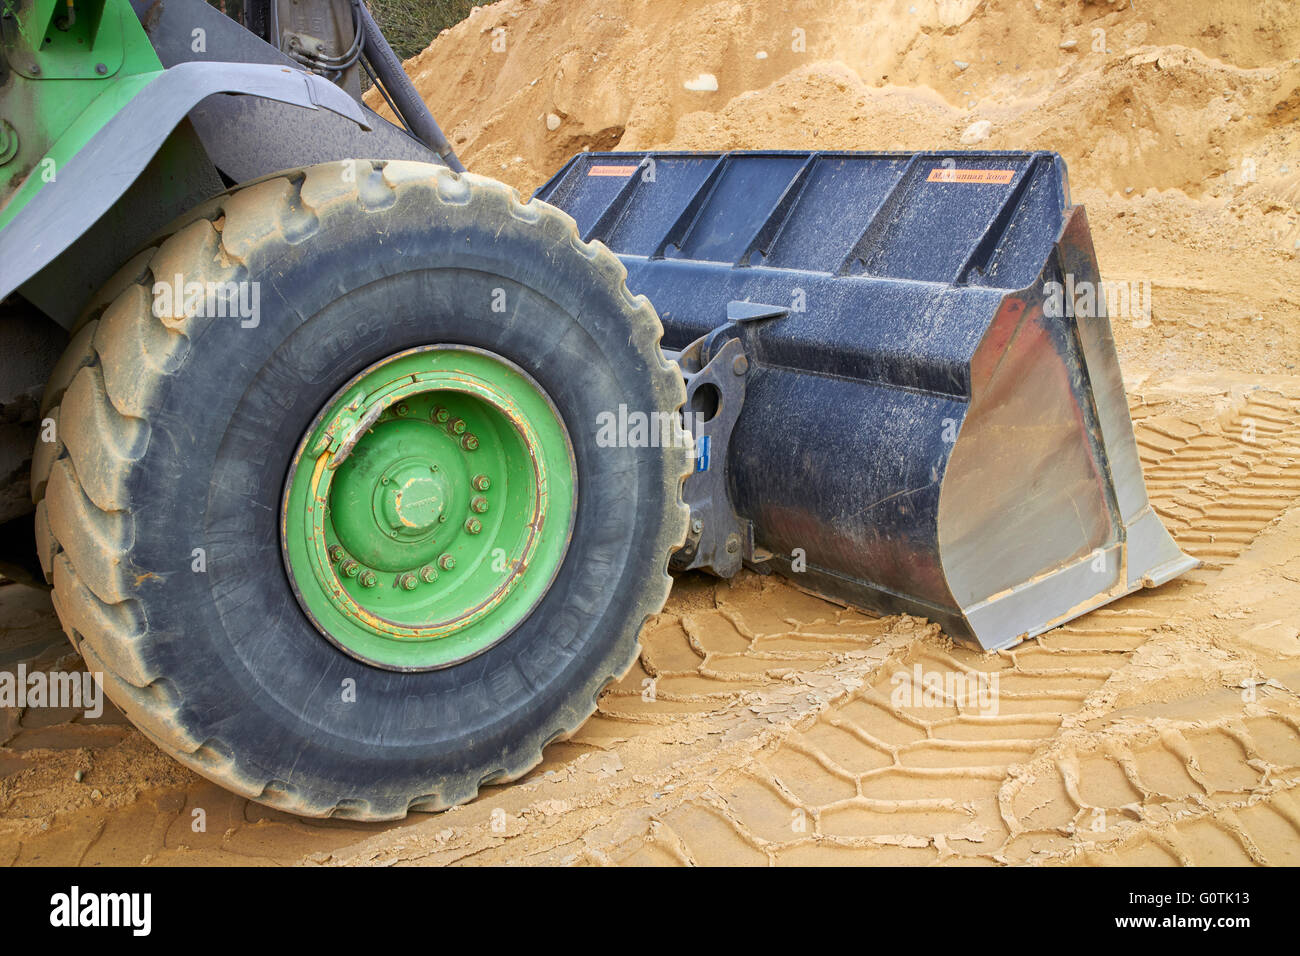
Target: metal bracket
{"points": [[719, 540], [716, 369], [70, 45]]}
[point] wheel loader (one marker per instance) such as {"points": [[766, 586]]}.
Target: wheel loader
{"points": [[354, 475]]}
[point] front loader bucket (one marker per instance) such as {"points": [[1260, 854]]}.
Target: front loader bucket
{"points": [[933, 417]]}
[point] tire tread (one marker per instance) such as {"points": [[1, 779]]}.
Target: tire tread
{"points": [[100, 395]]}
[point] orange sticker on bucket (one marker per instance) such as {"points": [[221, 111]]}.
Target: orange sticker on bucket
{"points": [[612, 170], [978, 176]]}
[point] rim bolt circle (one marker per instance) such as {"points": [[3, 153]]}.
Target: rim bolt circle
{"points": [[382, 577]]}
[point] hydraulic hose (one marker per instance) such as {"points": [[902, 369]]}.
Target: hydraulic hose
{"points": [[407, 101]]}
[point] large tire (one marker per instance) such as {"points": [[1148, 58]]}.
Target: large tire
{"points": [[177, 433]]}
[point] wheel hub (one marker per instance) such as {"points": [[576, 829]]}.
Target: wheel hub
{"points": [[413, 495], [428, 507]]}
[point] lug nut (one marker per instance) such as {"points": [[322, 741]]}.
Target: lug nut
{"points": [[469, 442], [402, 408], [482, 482], [367, 579], [473, 526], [350, 568], [479, 504], [335, 552], [428, 574], [440, 414], [697, 526], [407, 581], [457, 426], [446, 562]]}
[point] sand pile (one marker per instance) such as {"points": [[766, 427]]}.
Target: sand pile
{"points": [[1177, 118], [1167, 94]]}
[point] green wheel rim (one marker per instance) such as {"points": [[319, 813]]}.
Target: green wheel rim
{"points": [[429, 507]]}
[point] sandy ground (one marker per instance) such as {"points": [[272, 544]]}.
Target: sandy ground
{"points": [[762, 725]]}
